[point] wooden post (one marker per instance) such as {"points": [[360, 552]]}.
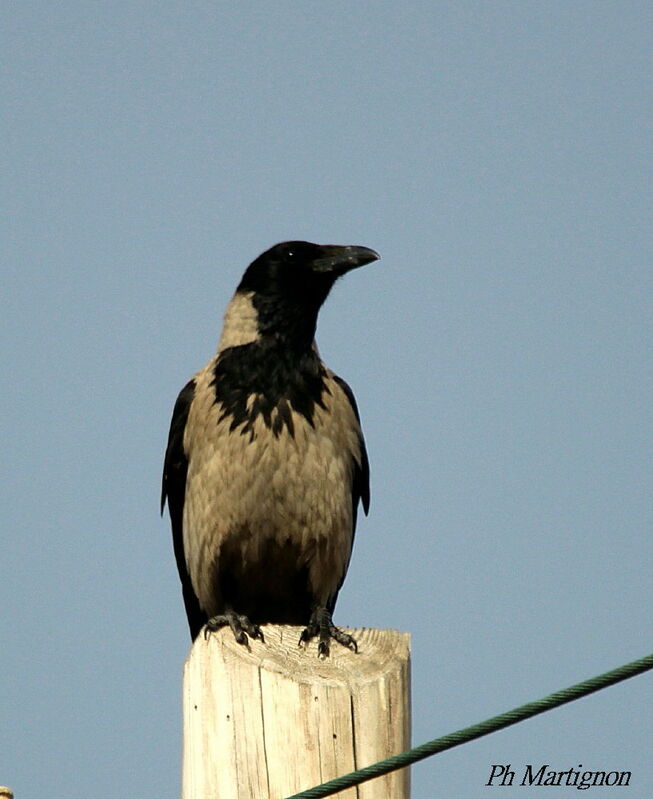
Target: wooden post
{"points": [[274, 719]]}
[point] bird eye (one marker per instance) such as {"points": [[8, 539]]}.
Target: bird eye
{"points": [[290, 254]]}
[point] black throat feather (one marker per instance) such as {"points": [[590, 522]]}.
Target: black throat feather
{"points": [[266, 379]]}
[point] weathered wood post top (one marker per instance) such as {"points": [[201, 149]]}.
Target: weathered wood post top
{"points": [[273, 719]]}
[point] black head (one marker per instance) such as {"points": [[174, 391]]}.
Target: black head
{"points": [[294, 267], [291, 280]]}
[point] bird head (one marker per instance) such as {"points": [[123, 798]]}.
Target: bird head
{"points": [[290, 281], [294, 265]]}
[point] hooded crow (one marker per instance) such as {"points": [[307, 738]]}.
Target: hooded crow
{"points": [[266, 462]]}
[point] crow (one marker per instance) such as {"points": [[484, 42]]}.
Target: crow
{"points": [[266, 463]]}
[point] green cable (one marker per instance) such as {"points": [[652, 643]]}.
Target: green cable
{"points": [[478, 730]]}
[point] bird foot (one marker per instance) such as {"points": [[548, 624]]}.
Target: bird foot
{"points": [[321, 625], [240, 625]]}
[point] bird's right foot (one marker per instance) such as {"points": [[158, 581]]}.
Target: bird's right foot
{"points": [[240, 625]]}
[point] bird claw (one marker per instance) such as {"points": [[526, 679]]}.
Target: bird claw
{"points": [[344, 639], [240, 626], [321, 625]]}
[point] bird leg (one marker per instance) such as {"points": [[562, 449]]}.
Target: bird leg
{"points": [[320, 624], [240, 625]]}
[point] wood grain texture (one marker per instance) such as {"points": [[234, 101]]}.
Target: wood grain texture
{"points": [[274, 719]]}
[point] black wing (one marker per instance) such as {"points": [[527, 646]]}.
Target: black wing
{"points": [[173, 489], [360, 489], [361, 485]]}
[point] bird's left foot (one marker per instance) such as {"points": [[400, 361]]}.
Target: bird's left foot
{"points": [[240, 625], [321, 625]]}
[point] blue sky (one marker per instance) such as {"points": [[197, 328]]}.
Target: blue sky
{"points": [[498, 156]]}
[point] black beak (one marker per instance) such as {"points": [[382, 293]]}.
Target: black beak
{"points": [[338, 259]]}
